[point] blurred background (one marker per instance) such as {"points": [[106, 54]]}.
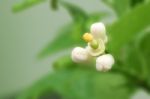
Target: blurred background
{"points": [[27, 29]]}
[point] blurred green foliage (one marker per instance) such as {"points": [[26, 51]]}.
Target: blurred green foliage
{"points": [[25, 4], [129, 43], [77, 83]]}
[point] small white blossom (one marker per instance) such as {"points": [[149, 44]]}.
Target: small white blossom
{"points": [[95, 52], [79, 55], [96, 41], [104, 62], [98, 31]]}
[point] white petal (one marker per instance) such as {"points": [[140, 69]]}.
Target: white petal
{"points": [[79, 55], [105, 39], [98, 51], [98, 30], [104, 62]]}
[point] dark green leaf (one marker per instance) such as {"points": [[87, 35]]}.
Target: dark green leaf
{"points": [[135, 2]]}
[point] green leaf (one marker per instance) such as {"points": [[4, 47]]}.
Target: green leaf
{"points": [[124, 30], [144, 51], [120, 6], [76, 12], [135, 59], [25, 4], [63, 63], [73, 33], [80, 84], [133, 62], [144, 47]]}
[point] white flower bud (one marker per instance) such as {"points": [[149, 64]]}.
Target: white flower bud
{"points": [[79, 55], [98, 51], [104, 62], [98, 31]]}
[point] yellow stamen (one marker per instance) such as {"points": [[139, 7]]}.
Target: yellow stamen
{"points": [[87, 37]]}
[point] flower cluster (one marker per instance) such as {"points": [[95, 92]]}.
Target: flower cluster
{"points": [[96, 41]]}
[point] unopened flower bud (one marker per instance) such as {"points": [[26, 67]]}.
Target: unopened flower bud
{"points": [[98, 31], [79, 55], [104, 62]]}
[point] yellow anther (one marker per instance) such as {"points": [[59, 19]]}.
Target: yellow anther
{"points": [[88, 37]]}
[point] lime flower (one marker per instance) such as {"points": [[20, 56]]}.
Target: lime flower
{"points": [[96, 41]]}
